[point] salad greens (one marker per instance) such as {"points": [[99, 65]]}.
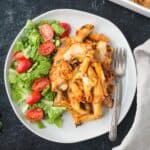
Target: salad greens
{"points": [[40, 124], [47, 94], [56, 27], [53, 114], [21, 84]]}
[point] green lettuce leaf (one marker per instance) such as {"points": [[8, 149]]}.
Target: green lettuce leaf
{"points": [[23, 105], [19, 92], [18, 46], [56, 40], [54, 113], [12, 76], [58, 122], [57, 28], [40, 124], [48, 94]]}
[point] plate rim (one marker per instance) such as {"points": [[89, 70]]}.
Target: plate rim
{"points": [[7, 64]]}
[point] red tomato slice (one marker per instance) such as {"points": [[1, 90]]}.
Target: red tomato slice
{"points": [[33, 98], [35, 114], [23, 65], [46, 32], [67, 29], [40, 84], [46, 48], [18, 56]]}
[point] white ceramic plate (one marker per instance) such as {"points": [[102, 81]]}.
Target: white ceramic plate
{"points": [[69, 133]]}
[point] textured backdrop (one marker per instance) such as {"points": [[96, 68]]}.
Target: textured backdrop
{"points": [[13, 15]]}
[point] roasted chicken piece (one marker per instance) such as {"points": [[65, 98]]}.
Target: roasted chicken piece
{"points": [[65, 44], [106, 53], [61, 70], [60, 73], [75, 51], [83, 32]]}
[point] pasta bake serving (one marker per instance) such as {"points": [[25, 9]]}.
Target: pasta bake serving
{"points": [[82, 75]]}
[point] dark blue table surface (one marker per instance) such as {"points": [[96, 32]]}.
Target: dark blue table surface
{"points": [[13, 15]]}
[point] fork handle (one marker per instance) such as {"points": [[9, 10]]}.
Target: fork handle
{"points": [[115, 115]]}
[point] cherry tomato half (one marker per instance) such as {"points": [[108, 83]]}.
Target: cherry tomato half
{"points": [[35, 114], [46, 32], [40, 84], [23, 65], [46, 48], [67, 29], [18, 56], [33, 98]]}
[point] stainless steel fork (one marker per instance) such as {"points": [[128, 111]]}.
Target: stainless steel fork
{"points": [[119, 64]]}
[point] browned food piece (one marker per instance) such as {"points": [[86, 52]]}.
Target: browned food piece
{"points": [[97, 113], [108, 102], [60, 73], [98, 37], [145, 3], [83, 32], [65, 44]]}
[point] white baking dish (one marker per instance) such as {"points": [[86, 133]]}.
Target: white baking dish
{"points": [[133, 6]]}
